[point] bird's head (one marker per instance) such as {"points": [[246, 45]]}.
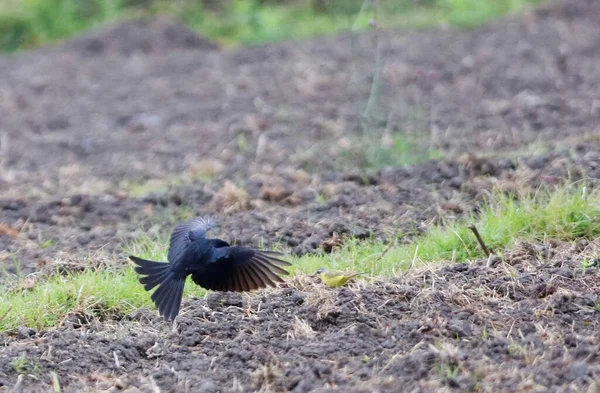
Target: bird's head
{"points": [[320, 270]]}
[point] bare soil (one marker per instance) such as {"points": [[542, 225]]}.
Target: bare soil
{"points": [[126, 128], [529, 324]]}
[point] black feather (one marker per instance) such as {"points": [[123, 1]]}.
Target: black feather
{"points": [[271, 263], [154, 272], [172, 305], [180, 237]]}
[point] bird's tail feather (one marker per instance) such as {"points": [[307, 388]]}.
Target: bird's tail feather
{"points": [[154, 272], [167, 296]]}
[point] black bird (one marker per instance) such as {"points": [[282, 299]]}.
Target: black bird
{"points": [[213, 264]]}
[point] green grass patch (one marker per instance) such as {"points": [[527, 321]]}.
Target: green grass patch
{"points": [[23, 365], [102, 294], [371, 152], [30, 23], [142, 188], [564, 214]]}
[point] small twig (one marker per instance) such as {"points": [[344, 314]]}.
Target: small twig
{"points": [[414, 260], [5, 313], [486, 250], [387, 249], [55, 382], [511, 329], [17, 386], [413, 263], [117, 363]]}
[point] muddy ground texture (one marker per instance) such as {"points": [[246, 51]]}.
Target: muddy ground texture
{"points": [[530, 324], [128, 129]]}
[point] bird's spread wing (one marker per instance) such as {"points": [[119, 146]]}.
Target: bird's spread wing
{"points": [[181, 235], [241, 269]]}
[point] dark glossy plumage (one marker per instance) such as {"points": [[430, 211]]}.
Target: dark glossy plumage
{"points": [[212, 263]]}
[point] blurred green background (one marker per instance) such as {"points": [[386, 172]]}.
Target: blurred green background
{"points": [[31, 23]]}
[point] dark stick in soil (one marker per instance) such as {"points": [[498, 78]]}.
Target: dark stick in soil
{"points": [[486, 250], [5, 313]]}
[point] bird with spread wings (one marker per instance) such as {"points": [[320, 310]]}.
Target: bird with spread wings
{"points": [[212, 263]]}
